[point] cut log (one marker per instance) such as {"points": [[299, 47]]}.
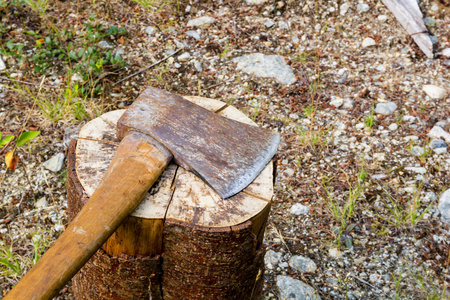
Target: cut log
{"points": [[409, 15], [184, 241]]}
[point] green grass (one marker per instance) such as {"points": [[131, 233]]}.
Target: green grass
{"points": [[369, 121]]}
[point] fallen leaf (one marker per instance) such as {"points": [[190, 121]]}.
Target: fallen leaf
{"points": [[11, 160], [121, 40]]}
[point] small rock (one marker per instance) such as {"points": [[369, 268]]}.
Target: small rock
{"points": [[184, 57], [440, 151], [385, 108], [150, 30], [293, 289], [202, 22], [272, 258], [445, 52], [437, 143], [444, 206], [2, 65], [299, 209], [41, 203], [374, 278], [411, 138], [380, 68], [429, 197], [437, 132], [379, 176], [360, 126], [283, 25], [393, 127], [269, 23], [198, 66], [55, 163], [262, 65], [255, 2], [382, 18], [177, 65], [363, 7], [417, 151], [410, 119], [104, 45], [302, 264], [336, 101], [194, 34], [76, 78], [335, 253], [70, 133], [368, 42], [416, 170], [348, 104], [429, 21], [344, 9], [434, 92]]}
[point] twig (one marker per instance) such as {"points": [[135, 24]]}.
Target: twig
{"points": [[146, 68], [214, 85], [363, 281], [29, 83]]}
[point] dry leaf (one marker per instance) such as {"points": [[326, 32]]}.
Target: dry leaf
{"points": [[121, 40], [11, 160]]}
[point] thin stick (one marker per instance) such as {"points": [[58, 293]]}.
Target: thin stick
{"points": [[363, 281], [146, 68], [30, 83]]}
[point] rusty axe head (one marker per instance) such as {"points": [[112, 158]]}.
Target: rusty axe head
{"points": [[226, 154]]}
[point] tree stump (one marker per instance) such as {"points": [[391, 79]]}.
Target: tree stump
{"points": [[184, 241]]}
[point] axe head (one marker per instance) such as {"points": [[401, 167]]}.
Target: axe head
{"points": [[228, 155]]}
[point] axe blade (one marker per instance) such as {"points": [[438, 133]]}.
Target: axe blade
{"points": [[226, 154]]}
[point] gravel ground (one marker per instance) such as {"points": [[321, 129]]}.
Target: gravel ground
{"points": [[360, 209]]}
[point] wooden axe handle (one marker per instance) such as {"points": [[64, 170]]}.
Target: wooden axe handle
{"points": [[138, 163]]}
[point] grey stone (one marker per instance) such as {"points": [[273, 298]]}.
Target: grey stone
{"points": [[335, 253], [393, 127], [202, 22], [385, 108], [41, 203], [368, 42], [70, 133], [429, 21], [55, 163], [184, 57], [2, 65], [380, 68], [439, 151], [344, 9], [445, 52], [348, 104], [150, 30], [410, 119], [272, 258], [299, 209], [269, 23], [336, 101], [283, 25], [379, 176], [177, 65], [198, 66], [444, 206], [363, 7], [374, 278], [417, 150], [262, 65], [293, 289], [302, 264], [255, 2], [382, 18], [194, 34], [434, 92], [437, 143], [416, 170], [437, 132], [104, 45]]}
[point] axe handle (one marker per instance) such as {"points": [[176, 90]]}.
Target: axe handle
{"points": [[138, 163]]}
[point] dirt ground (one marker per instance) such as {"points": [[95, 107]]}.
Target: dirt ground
{"points": [[357, 189]]}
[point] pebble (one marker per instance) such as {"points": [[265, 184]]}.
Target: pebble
{"points": [[255, 2], [444, 206], [363, 7], [379, 176], [202, 22], [70, 133], [184, 57], [440, 151], [393, 127], [269, 23], [445, 52], [262, 65], [382, 18], [368, 42], [272, 259], [55, 163], [299, 209], [429, 197], [335, 253], [291, 289], [198, 66], [437, 143], [302, 264], [41, 203], [76, 78], [380, 68], [385, 108], [429, 21], [374, 278], [150, 30], [410, 119], [104, 45], [348, 104], [336, 101], [417, 150], [2, 65], [416, 170], [194, 34], [434, 92], [437, 132], [344, 9], [283, 25]]}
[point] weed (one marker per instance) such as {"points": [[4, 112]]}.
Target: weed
{"points": [[427, 288], [312, 138], [369, 121], [397, 285], [302, 57], [223, 55], [39, 6], [9, 264]]}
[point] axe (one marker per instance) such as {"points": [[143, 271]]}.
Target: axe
{"points": [[156, 128]]}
